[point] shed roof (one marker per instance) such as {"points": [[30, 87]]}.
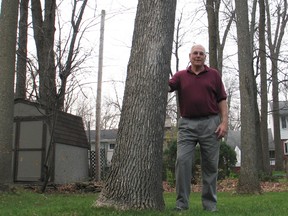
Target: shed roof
{"points": [[69, 129]]}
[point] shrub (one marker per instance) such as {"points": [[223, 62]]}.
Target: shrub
{"points": [[227, 160]]}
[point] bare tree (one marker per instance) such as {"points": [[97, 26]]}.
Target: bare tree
{"points": [[264, 90], [65, 69], [248, 181], [275, 38], [135, 179], [22, 51], [258, 143], [178, 42], [44, 29], [212, 8], [85, 109], [216, 43], [232, 90], [8, 35]]}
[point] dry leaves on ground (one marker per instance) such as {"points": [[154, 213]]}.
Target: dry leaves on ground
{"points": [[226, 185], [229, 185]]}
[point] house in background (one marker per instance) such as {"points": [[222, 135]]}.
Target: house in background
{"points": [[32, 140], [234, 141], [107, 146], [283, 115]]}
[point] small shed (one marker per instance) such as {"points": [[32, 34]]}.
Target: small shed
{"points": [[43, 138]]}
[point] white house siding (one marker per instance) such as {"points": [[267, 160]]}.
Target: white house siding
{"points": [[284, 134], [71, 164], [284, 131], [238, 156]]}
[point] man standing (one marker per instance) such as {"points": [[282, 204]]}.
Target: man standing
{"points": [[204, 120]]}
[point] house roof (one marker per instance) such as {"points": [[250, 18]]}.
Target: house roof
{"points": [[69, 129], [283, 108], [234, 139], [110, 134]]}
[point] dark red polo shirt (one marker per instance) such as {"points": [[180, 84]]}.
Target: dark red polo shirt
{"points": [[198, 94]]}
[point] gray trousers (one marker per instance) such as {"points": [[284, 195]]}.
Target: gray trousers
{"points": [[190, 132]]}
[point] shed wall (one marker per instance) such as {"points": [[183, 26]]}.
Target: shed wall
{"points": [[71, 164]]}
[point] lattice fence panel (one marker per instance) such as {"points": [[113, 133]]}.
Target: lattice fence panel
{"points": [[103, 163]]}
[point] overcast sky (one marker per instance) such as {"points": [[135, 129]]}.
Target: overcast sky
{"points": [[119, 25]]}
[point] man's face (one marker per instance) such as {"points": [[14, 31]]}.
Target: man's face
{"points": [[197, 56]]}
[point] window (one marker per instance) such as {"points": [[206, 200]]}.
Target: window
{"points": [[272, 154], [283, 121], [286, 147], [272, 157], [111, 146]]}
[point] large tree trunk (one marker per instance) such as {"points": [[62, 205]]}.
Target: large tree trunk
{"points": [[22, 51], [248, 181], [8, 35], [264, 92], [135, 180], [44, 38]]}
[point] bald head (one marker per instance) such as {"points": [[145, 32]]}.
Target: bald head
{"points": [[197, 47]]}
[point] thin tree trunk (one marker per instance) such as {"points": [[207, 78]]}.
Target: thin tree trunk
{"points": [[44, 38], [22, 51], [135, 180], [248, 181], [264, 92], [76, 20], [276, 118], [274, 45], [212, 8]]}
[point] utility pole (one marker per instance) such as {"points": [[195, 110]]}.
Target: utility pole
{"points": [[98, 101]]}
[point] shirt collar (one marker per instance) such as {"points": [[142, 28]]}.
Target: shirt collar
{"points": [[190, 70]]}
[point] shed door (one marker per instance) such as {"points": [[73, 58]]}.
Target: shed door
{"points": [[29, 150]]}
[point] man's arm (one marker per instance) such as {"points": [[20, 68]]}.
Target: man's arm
{"points": [[223, 127]]}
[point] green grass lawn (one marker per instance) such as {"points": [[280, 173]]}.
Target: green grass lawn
{"points": [[32, 204]]}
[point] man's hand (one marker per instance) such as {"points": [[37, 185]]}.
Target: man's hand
{"points": [[221, 130]]}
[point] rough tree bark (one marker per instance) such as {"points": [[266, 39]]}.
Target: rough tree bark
{"points": [[257, 141], [22, 51], [44, 30], [212, 8], [275, 38], [135, 179], [8, 35], [248, 181], [264, 91], [216, 43]]}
